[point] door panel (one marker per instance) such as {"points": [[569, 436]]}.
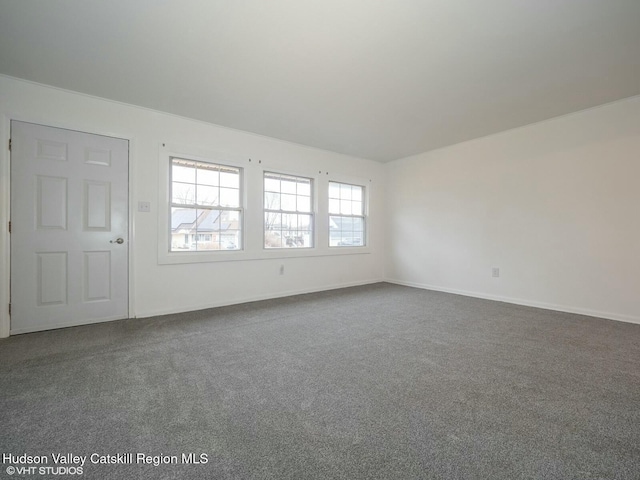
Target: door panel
{"points": [[51, 210], [69, 203], [97, 276], [97, 206], [52, 278]]}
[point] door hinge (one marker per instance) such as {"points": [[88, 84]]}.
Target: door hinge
{"points": [[9, 144], [9, 309], [9, 226]]}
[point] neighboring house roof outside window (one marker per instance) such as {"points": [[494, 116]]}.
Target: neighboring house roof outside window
{"points": [[207, 221], [183, 219]]}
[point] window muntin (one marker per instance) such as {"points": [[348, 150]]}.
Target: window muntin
{"points": [[206, 206], [288, 213], [346, 215]]}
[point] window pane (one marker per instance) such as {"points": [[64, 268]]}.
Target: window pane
{"points": [[345, 192], [230, 240], [304, 204], [296, 231], [345, 207], [288, 186], [334, 206], [334, 190], [271, 184], [208, 230], [272, 201], [273, 239], [272, 227], [347, 224], [232, 218], [304, 222], [231, 180], [208, 176], [304, 187], [207, 195], [184, 174], [289, 222], [183, 193], [272, 221], [229, 197], [288, 202], [230, 231], [356, 208], [182, 226], [356, 193]]}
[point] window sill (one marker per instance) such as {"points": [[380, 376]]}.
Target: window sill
{"points": [[176, 258]]}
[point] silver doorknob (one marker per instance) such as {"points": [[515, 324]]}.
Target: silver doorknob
{"points": [[119, 240]]}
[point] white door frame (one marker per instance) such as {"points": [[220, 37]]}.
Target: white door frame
{"points": [[5, 210]]}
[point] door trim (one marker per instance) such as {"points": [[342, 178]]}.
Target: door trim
{"points": [[5, 211]]}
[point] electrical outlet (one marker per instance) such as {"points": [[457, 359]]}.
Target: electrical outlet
{"points": [[281, 269], [495, 272], [144, 207]]}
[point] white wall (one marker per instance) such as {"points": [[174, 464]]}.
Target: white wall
{"points": [[555, 205], [159, 288]]}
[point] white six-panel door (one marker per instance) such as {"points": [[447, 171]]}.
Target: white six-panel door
{"points": [[69, 228]]}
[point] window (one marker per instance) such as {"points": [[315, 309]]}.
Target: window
{"points": [[206, 206], [288, 218], [346, 215]]}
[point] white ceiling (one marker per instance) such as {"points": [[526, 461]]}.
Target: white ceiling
{"points": [[379, 79]]}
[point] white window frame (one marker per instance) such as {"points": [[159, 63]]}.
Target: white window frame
{"points": [[310, 213], [363, 216], [196, 206], [164, 254]]}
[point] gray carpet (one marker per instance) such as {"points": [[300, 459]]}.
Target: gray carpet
{"points": [[371, 382]]}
